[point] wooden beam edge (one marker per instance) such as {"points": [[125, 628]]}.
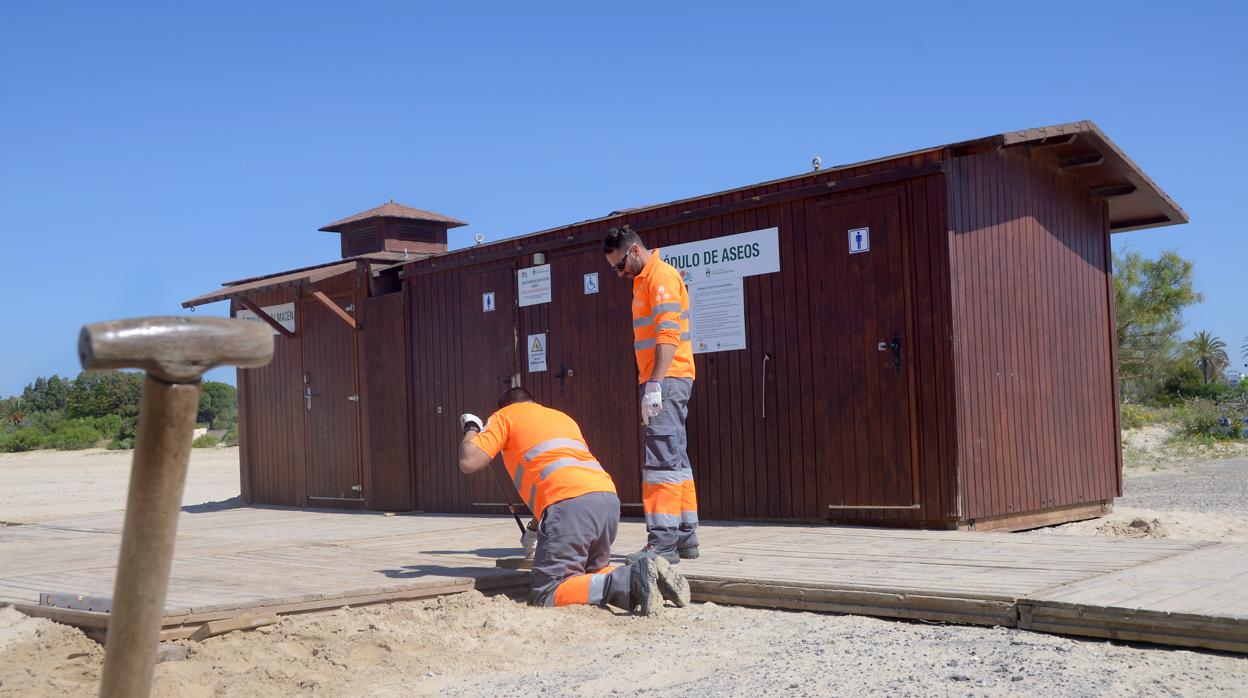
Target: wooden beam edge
{"points": [[336, 309]]}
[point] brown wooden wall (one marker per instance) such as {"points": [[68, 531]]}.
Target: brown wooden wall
{"points": [[384, 383], [274, 437], [790, 463], [271, 420], [1033, 337], [992, 269]]}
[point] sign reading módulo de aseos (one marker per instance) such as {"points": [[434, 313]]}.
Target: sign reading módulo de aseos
{"points": [[740, 255], [713, 271]]}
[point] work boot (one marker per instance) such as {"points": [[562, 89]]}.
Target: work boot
{"points": [[645, 597], [690, 553], [650, 551], [672, 585]]}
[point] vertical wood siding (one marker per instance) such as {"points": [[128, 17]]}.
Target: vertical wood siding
{"points": [[271, 420], [995, 275], [329, 361], [1033, 337], [385, 403], [778, 466], [462, 359]]}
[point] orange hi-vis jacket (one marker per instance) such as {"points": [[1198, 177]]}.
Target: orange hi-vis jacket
{"points": [[544, 453], [661, 316]]}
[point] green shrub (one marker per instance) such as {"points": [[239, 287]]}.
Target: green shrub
{"points": [[1201, 417], [1132, 416], [121, 444], [231, 436], [109, 425], [21, 440], [205, 441], [74, 435], [46, 422]]}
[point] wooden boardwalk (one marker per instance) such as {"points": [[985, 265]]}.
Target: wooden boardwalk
{"points": [[248, 562]]}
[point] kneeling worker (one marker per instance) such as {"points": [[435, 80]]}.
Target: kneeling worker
{"points": [[576, 506]]}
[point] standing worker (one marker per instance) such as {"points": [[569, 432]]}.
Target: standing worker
{"points": [[575, 504], [665, 372]]}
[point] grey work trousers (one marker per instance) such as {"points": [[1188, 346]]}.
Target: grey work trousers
{"points": [[573, 539], [667, 475]]}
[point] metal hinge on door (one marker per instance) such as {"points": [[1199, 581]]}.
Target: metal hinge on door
{"points": [[353, 398]]}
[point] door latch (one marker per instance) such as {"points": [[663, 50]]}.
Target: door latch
{"points": [[564, 372], [353, 398], [895, 345]]}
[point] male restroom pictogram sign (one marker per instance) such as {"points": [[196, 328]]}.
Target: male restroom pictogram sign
{"points": [[859, 240]]}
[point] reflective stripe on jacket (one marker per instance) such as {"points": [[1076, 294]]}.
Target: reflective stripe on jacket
{"points": [[661, 316], [545, 455]]}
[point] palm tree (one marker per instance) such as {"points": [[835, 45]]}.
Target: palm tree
{"points": [[1210, 354]]}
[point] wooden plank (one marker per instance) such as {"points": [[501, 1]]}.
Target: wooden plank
{"points": [[271, 561], [244, 621], [259, 312], [861, 603], [1139, 627], [335, 309]]}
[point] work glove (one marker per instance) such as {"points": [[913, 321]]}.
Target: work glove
{"points": [[470, 421], [651, 401], [529, 542]]}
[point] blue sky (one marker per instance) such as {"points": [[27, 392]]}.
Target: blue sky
{"points": [[148, 154]]}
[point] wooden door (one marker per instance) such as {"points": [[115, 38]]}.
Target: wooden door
{"points": [[488, 338], [861, 315], [331, 405], [591, 373]]}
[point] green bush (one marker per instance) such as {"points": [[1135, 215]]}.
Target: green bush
{"points": [[231, 436], [1184, 382], [1201, 417], [205, 441], [121, 444], [21, 440], [109, 425], [74, 435]]}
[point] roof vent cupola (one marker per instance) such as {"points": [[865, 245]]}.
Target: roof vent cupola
{"points": [[393, 227]]}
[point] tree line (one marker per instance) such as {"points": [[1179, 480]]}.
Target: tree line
{"points": [[1158, 369], [97, 409]]}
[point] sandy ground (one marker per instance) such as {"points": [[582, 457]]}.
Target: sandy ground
{"points": [[43, 485], [472, 645]]}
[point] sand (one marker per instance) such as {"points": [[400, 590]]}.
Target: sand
{"points": [[473, 645], [44, 485], [1147, 523]]}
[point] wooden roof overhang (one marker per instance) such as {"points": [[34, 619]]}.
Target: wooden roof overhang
{"points": [[1080, 148]]}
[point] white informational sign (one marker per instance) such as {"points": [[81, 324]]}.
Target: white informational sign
{"points": [[534, 285], [591, 283], [537, 353], [283, 313], [740, 255], [487, 302], [717, 315], [713, 270], [859, 240]]}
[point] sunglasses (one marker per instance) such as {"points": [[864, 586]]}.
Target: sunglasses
{"points": [[623, 261]]}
